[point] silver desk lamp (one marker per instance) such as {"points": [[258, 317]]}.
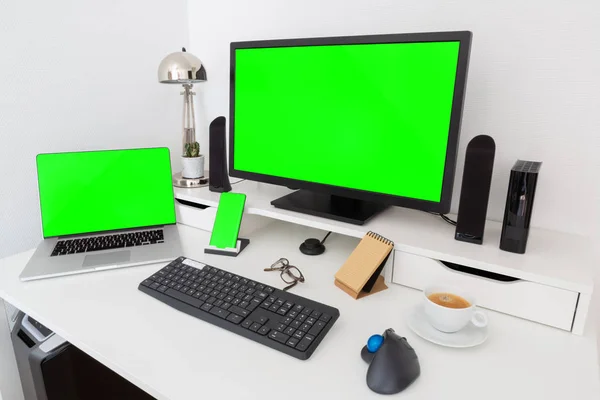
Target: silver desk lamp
{"points": [[183, 68]]}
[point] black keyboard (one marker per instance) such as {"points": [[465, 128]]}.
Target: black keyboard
{"points": [[281, 320], [106, 242]]}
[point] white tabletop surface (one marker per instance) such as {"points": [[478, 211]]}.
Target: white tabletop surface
{"points": [[174, 356]]}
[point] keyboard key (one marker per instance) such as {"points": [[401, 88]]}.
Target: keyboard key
{"points": [[218, 303], [288, 305], [299, 334], [307, 311], [286, 320], [304, 327], [221, 296], [289, 331], [206, 307], [154, 285], [296, 324], [280, 327], [324, 317], [265, 304], [239, 311], [264, 330], [219, 312], [269, 289], [310, 320], [248, 297], [225, 306], [211, 300], [262, 320], [274, 307], [255, 327], [235, 302], [305, 343], [317, 328], [272, 299], [278, 336], [292, 314], [260, 286], [315, 314], [247, 323], [163, 288], [282, 311], [302, 317], [292, 342], [298, 308], [185, 298], [261, 295], [244, 304], [236, 319], [147, 282], [279, 302]]}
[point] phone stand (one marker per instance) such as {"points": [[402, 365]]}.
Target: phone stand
{"points": [[229, 251]]}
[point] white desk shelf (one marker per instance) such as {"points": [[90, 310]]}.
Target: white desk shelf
{"points": [[553, 259]]}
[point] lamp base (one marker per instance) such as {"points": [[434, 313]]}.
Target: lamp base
{"points": [[180, 181]]}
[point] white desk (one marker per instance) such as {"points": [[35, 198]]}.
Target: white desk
{"points": [[174, 356]]}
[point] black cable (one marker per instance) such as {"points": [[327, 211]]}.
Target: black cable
{"points": [[448, 220], [325, 238], [444, 217], [235, 183]]}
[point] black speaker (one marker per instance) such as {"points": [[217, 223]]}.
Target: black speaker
{"points": [[218, 179], [475, 192], [519, 205]]}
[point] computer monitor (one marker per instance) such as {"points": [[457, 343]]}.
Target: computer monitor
{"points": [[356, 123]]}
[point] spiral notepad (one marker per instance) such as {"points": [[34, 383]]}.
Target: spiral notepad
{"points": [[361, 273]]}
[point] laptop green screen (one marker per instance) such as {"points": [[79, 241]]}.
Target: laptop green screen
{"points": [[84, 192]]}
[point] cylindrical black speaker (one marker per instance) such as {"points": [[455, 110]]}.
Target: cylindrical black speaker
{"points": [[475, 192], [218, 178]]}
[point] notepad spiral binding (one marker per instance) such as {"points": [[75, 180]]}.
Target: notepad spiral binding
{"points": [[380, 238]]}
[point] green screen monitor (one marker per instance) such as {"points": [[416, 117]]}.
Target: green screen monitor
{"points": [[356, 123], [96, 191]]}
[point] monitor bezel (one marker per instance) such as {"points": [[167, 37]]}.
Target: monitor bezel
{"points": [[443, 206]]}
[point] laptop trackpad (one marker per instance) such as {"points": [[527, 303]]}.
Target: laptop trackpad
{"points": [[118, 257]]}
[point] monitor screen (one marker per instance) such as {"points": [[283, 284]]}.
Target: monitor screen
{"points": [[84, 192], [371, 117]]}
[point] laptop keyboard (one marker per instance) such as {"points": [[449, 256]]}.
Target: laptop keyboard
{"points": [[107, 242]]}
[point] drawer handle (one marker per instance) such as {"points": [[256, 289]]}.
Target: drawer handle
{"points": [[474, 271], [191, 204]]}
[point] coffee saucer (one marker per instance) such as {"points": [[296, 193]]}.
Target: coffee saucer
{"points": [[469, 336]]}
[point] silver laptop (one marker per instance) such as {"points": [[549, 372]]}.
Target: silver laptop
{"points": [[103, 210]]}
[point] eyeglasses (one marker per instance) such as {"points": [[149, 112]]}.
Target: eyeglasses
{"points": [[289, 273]]}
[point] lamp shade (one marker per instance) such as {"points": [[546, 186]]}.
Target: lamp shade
{"points": [[181, 68]]}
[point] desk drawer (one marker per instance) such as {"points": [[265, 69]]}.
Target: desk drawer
{"points": [[533, 301], [201, 218]]}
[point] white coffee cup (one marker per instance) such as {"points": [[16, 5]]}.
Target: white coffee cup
{"points": [[447, 319]]}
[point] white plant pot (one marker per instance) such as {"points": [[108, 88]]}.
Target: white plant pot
{"points": [[193, 167]]}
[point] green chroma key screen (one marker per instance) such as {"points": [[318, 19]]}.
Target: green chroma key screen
{"points": [[104, 190], [374, 117]]}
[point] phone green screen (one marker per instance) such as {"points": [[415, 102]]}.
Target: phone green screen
{"points": [[93, 191], [228, 220]]}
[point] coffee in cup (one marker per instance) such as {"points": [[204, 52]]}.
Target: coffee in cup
{"points": [[450, 309]]}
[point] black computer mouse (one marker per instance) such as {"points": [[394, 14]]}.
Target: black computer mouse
{"points": [[394, 365], [312, 247]]}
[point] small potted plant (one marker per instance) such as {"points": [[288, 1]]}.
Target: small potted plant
{"points": [[192, 161]]}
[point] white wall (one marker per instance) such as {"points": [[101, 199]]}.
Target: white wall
{"points": [[77, 75], [533, 84], [80, 75]]}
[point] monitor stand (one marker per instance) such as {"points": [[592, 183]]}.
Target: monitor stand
{"points": [[339, 208]]}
